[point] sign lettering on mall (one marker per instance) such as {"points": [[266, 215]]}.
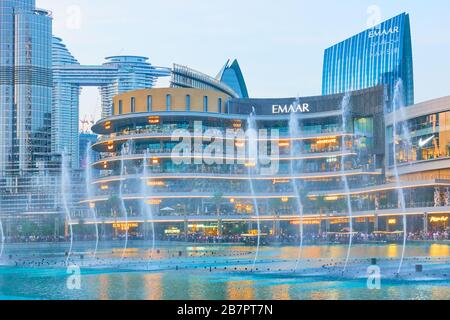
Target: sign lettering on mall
{"points": [[297, 108]]}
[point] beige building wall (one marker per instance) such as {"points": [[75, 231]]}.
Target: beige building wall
{"points": [[178, 98]]}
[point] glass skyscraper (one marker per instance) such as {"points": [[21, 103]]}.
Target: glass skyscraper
{"points": [[25, 85], [380, 55], [29, 172]]}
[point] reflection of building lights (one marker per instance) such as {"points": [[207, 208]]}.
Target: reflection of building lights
{"points": [[438, 219], [284, 199], [392, 221]]}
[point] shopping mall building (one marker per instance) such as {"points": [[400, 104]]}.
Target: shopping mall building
{"points": [[327, 150]]}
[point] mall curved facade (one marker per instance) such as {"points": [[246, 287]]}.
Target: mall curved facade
{"points": [[313, 147]]}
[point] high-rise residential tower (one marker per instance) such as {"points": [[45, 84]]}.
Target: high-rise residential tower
{"points": [[380, 55], [117, 75]]}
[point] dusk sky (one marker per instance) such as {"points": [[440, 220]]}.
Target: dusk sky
{"points": [[279, 44]]}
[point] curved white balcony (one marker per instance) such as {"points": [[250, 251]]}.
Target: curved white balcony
{"points": [[215, 176], [309, 156]]}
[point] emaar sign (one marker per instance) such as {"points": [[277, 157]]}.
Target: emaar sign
{"points": [[379, 33], [297, 108]]}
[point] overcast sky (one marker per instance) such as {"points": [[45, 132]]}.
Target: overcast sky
{"points": [[279, 44]]}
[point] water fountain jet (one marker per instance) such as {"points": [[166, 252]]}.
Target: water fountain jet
{"points": [[345, 119], [398, 106], [253, 162], [90, 194], [293, 132], [146, 194], [65, 192]]}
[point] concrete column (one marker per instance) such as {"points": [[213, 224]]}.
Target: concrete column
{"points": [[277, 227], [320, 224], [250, 225], [185, 230], [219, 228], [376, 223], [425, 222]]}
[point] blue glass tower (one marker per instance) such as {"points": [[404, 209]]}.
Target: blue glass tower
{"points": [[380, 55], [232, 76]]}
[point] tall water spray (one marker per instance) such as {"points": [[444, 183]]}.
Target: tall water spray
{"points": [[90, 194], [146, 194], [294, 132], [2, 235], [126, 149], [398, 108], [345, 121], [66, 191], [253, 162]]}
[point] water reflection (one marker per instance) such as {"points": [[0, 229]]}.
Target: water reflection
{"points": [[203, 283]]}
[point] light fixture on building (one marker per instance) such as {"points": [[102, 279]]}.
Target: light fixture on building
{"points": [[153, 183], [153, 120], [392, 221], [153, 201], [327, 141]]}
